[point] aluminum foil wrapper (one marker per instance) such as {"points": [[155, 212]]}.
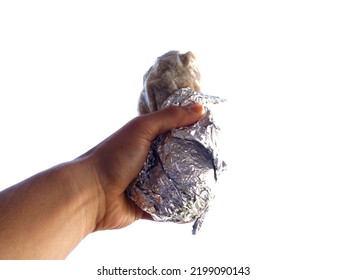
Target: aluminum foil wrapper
{"points": [[177, 181]]}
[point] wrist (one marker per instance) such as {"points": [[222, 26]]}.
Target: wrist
{"points": [[89, 191]]}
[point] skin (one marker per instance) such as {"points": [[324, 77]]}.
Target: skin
{"points": [[48, 214]]}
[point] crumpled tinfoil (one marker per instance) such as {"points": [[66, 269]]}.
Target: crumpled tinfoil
{"points": [[177, 181]]}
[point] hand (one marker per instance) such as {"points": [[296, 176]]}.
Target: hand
{"points": [[48, 214], [118, 160]]}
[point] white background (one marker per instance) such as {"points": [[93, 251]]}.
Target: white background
{"points": [[71, 73]]}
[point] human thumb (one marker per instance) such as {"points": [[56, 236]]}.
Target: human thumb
{"points": [[173, 117]]}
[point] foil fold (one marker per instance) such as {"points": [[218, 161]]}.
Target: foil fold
{"points": [[177, 181]]}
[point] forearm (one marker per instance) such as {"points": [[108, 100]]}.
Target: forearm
{"points": [[47, 215]]}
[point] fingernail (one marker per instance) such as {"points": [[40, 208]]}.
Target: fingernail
{"points": [[194, 108]]}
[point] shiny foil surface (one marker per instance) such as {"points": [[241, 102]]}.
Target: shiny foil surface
{"points": [[177, 181]]}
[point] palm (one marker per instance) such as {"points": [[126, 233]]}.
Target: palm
{"points": [[120, 158]]}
